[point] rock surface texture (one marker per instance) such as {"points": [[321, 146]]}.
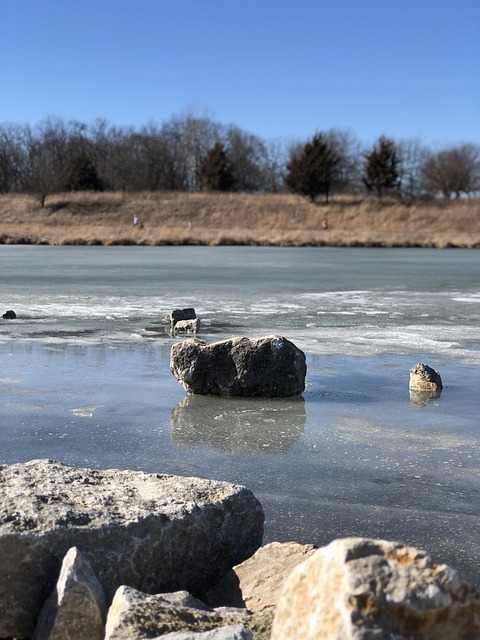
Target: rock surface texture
{"points": [[361, 589], [150, 531], [270, 366], [257, 582], [134, 615], [76, 608], [424, 378]]}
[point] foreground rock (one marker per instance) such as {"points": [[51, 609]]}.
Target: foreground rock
{"points": [[361, 589], [149, 531], [257, 582], [269, 366], [424, 378], [77, 608], [134, 615]]}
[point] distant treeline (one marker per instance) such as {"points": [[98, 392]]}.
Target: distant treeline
{"points": [[192, 153]]}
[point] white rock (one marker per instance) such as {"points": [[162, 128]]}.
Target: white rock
{"points": [[362, 589], [76, 610]]}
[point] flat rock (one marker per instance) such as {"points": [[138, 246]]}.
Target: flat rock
{"points": [[269, 366], [232, 632], [360, 589], [178, 315], [134, 615], [153, 532], [257, 582], [424, 378], [77, 608]]}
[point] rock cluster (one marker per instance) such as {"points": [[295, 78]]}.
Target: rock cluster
{"points": [[269, 366], [155, 533], [180, 559], [183, 321]]}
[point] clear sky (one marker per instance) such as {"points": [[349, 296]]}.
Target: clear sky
{"points": [[276, 68]]}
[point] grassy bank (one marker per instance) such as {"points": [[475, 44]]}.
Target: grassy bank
{"points": [[216, 219]]}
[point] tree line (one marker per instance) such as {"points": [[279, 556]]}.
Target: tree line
{"points": [[195, 153]]}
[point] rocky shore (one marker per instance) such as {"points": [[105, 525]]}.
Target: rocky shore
{"points": [[108, 554]]}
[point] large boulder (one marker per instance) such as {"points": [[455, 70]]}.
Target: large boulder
{"points": [[269, 366], [153, 532], [9, 315], [357, 589]]}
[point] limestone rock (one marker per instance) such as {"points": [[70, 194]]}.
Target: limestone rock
{"points": [[269, 366], [360, 589], [232, 632], [153, 532], [77, 608], [257, 582], [424, 378], [187, 326], [134, 615]]}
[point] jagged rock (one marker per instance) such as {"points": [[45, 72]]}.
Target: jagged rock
{"points": [[358, 589], [232, 632], [177, 315], [134, 615], [269, 366], [9, 315], [77, 608], [257, 582], [151, 531], [424, 378], [187, 326]]}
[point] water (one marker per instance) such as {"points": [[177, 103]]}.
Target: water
{"points": [[85, 380]]}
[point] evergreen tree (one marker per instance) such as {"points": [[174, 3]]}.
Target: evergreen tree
{"points": [[215, 172], [381, 170], [313, 170], [81, 175]]}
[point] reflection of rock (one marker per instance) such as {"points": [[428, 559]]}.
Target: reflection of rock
{"points": [[239, 425], [424, 378], [422, 398]]}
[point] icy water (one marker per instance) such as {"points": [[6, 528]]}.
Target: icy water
{"points": [[85, 379]]}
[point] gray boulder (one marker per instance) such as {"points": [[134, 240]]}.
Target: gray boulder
{"points": [[153, 532], [134, 615], [424, 378], [269, 366], [77, 607], [360, 589]]}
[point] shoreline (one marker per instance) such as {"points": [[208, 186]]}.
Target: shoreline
{"points": [[236, 219]]}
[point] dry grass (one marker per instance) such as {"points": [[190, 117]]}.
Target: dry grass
{"points": [[214, 219]]}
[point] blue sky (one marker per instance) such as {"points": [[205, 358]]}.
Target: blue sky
{"points": [[276, 68]]}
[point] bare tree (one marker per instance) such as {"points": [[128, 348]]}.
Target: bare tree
{"points": [[453, 171]]}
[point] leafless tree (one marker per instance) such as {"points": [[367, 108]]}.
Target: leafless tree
{"points": [[453, 171]]}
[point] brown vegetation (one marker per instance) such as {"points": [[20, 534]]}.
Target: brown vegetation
{"points": [[236, 218]]}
